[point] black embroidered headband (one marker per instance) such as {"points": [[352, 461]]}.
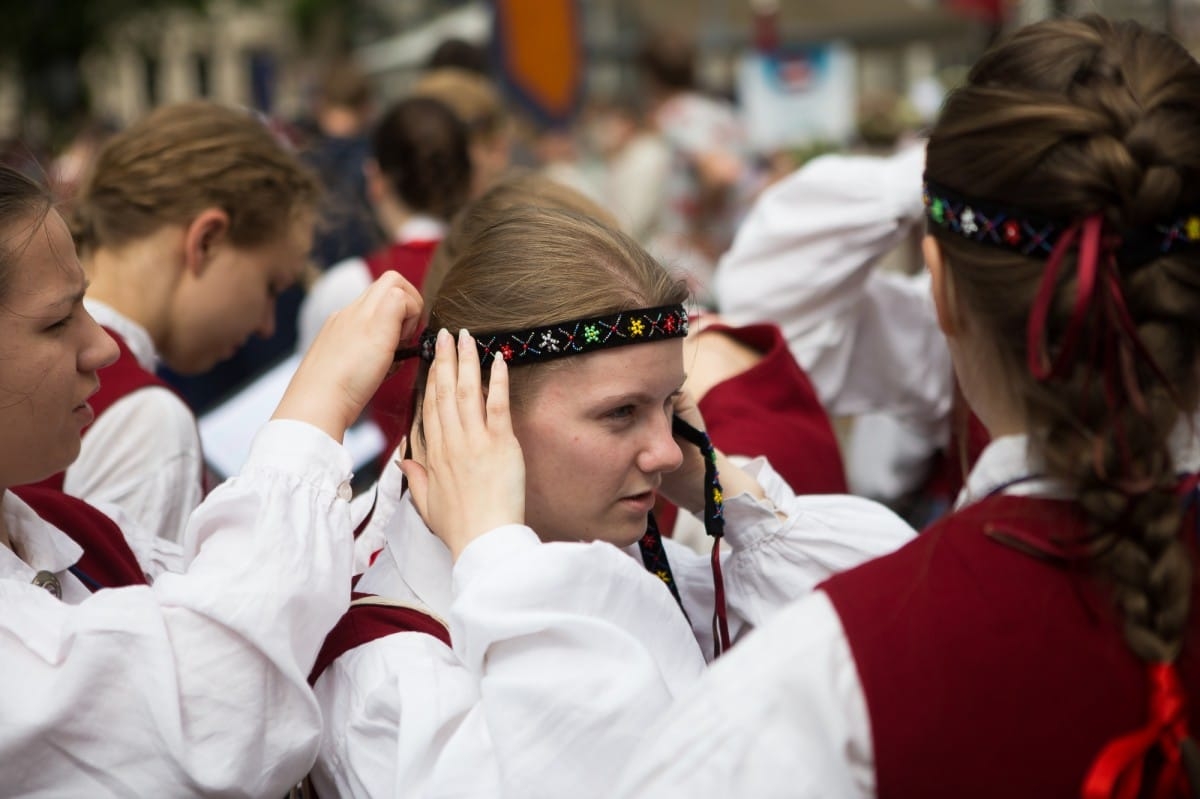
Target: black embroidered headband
{"points": [[1033, 235], [574, 337]]}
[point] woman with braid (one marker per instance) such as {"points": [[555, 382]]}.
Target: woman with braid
{"points": [[1042, 640], [528, 660]]}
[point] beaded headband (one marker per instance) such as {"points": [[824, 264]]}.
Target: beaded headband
{"points": [[1035, 236], [574, 337]]}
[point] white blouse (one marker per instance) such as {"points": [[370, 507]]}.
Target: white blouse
{"points": [[805, 258], [564, 653], [195, 685]]}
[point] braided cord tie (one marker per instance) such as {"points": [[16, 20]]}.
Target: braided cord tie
{"points": [[714, 525]]}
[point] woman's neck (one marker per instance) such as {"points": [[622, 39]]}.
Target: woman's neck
{"points": [[136, 280], [5, 538]]}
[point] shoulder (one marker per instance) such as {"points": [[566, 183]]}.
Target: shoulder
{"points": [[371, 619]]}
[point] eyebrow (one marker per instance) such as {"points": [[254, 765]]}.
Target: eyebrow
{"points": [[636, 396], [72, 299]]}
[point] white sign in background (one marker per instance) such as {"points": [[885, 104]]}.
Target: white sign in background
{"points": [[799, 97]]}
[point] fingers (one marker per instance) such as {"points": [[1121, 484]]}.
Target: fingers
{"points": [[445, 384], [499, 419], [392, 294], [430, 419], [469, 391]]}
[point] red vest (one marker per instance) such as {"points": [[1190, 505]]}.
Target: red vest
{"points": [[362, 624], [117, 381], [107, 560], [771, 409], [409, 258], [993, 673], [391, 407]]}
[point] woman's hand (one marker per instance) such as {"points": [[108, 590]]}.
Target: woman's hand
{"points": [[469, 477], [351, 356], [686, 486]]}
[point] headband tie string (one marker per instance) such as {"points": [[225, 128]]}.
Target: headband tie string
{"points": [[714, 525]]}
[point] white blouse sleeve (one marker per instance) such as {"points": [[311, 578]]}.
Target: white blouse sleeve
{"points": [[563, 655], [804, 259], [196, 685], [781, 716], [770, 562]]}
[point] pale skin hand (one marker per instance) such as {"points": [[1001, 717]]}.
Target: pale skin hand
{"points": [[469, 477], [351, 356], [686, 485]]}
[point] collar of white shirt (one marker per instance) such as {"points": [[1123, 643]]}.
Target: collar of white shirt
{"points": [[1006, 465], [136, 337], [44, 546], [415, 564], [421, 228]]}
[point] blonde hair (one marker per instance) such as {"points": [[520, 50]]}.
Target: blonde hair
{"points": [[180, 159], [538, 266], [471, 96], [520, 189]]}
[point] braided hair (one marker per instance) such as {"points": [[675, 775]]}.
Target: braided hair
{"points": [[1071, 119]]}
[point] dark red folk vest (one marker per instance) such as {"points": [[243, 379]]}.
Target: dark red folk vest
{"points": [[117, 381], [989, 672], [391, 407], [771, 409], [364, 623], [107, 560]]}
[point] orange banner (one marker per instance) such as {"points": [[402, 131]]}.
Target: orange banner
{"points": [[539, 46]]}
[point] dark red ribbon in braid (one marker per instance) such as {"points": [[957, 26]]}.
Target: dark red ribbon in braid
{"points": [[1117, 345], [1116, 772]]}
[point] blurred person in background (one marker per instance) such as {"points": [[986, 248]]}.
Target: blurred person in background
{"points": [[710, 176], [190, 223], [479, 105]]}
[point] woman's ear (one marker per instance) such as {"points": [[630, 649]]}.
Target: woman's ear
{"points": [[206, 230], [377, 185], [941, 287]]}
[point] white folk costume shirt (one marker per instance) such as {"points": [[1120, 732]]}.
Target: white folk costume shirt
{"points": [[868, 339], [783, 715], [563, 653], [695, 126], [341, 284], [142, 455], [195, 685]]}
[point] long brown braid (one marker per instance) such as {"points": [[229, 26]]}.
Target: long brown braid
{"points": [[1067, 119]]}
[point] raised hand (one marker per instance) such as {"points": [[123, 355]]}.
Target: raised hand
{"points": [[686, 485], [468, 477], [351, 356]]}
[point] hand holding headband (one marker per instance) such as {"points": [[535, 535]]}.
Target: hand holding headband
{"points": [[468, 477]]}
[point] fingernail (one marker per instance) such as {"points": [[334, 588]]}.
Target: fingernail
{"points": [[443, 337], [463, 338]]}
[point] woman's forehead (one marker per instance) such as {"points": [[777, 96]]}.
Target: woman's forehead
{"points": [[654, 369]]}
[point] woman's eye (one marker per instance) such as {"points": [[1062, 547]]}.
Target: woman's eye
{"points": [[61, 323], [623, 412]]}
